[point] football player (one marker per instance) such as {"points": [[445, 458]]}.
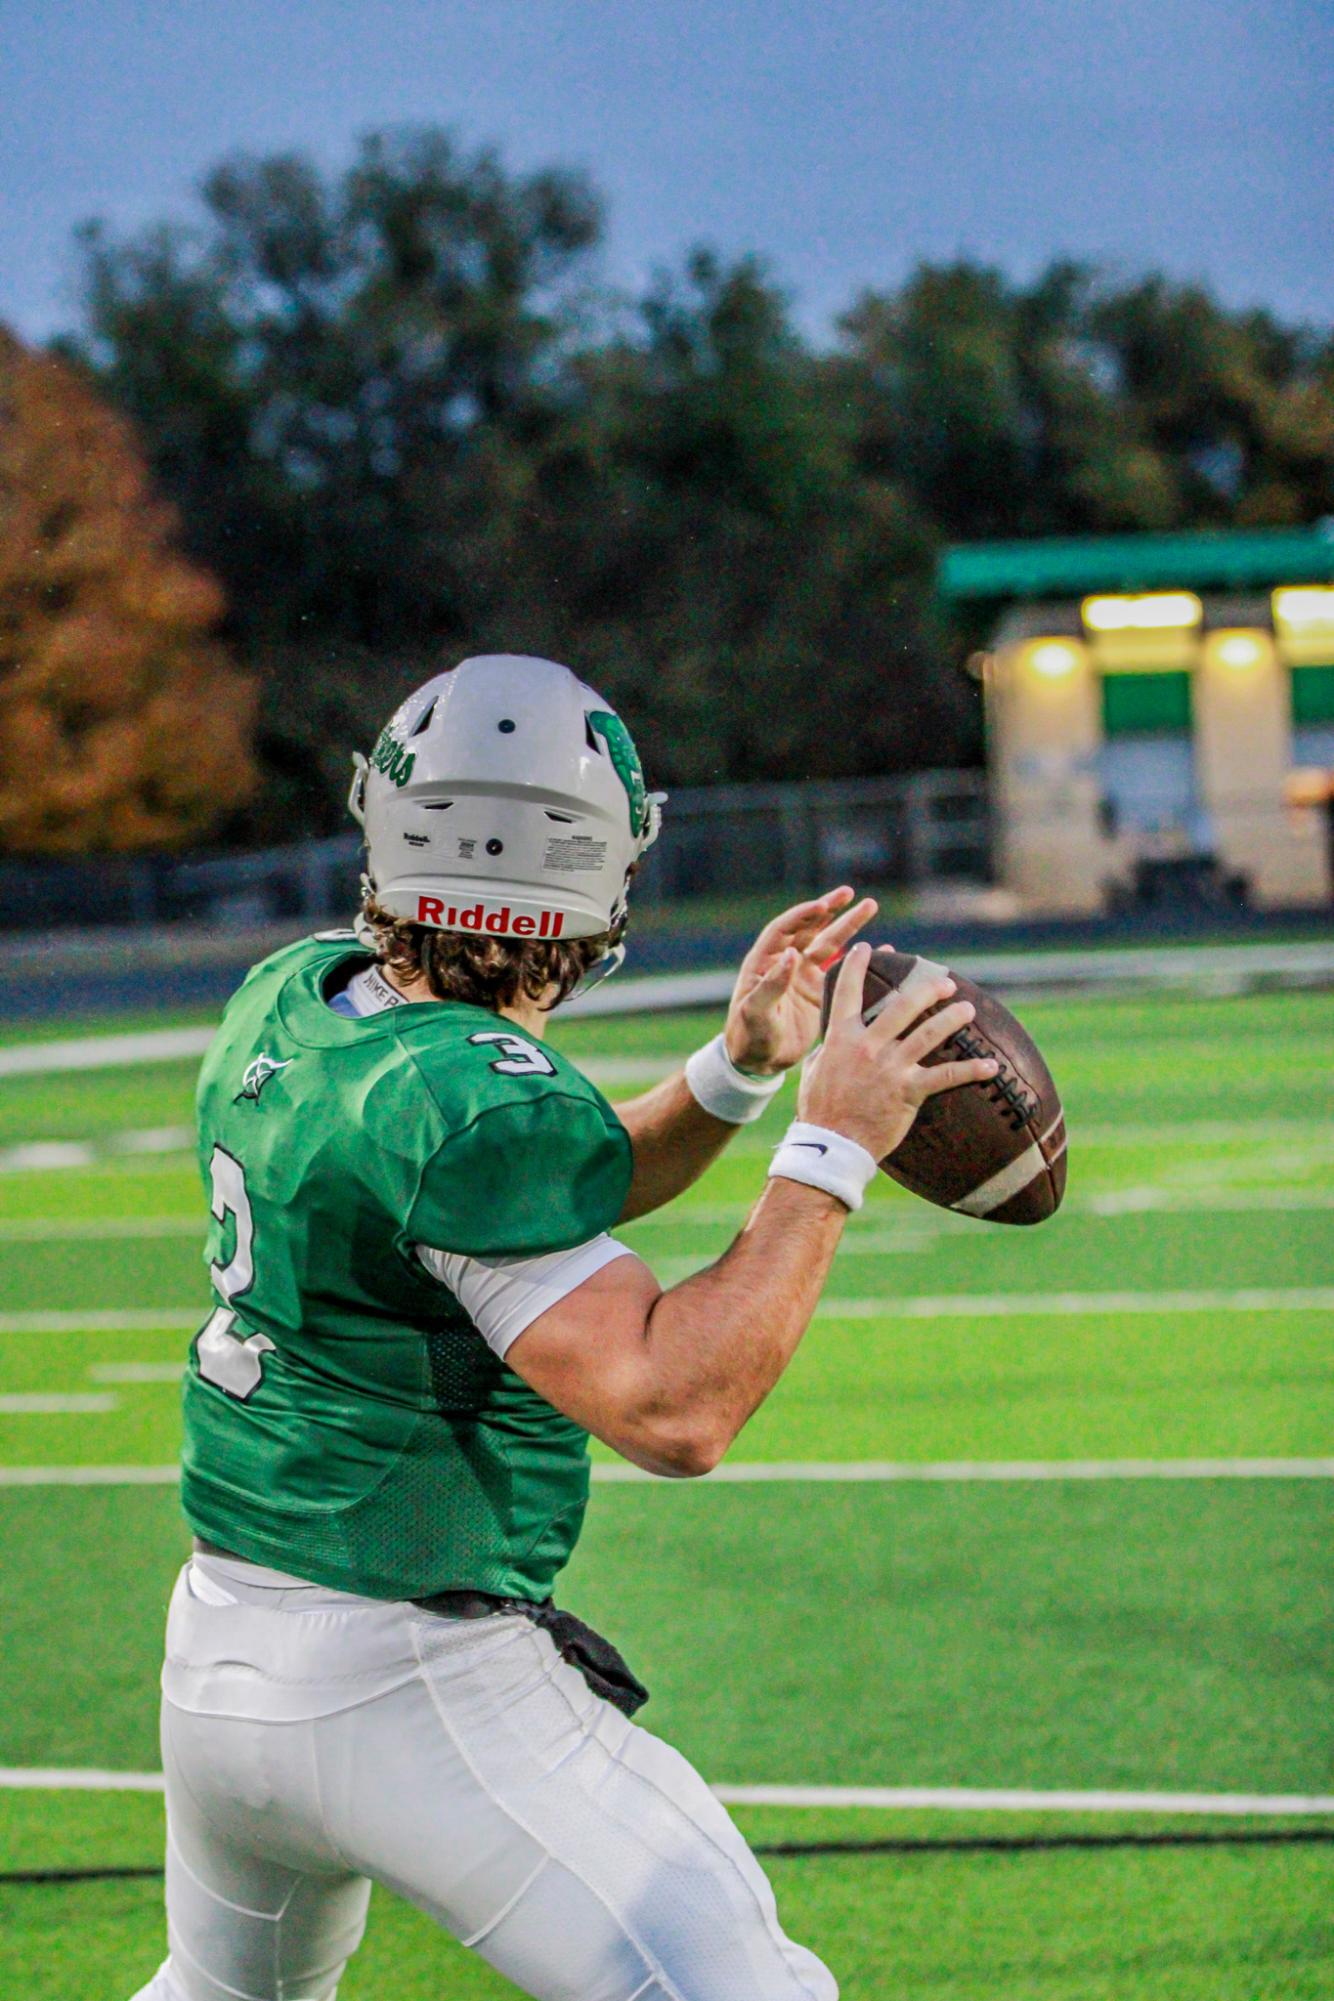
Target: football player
{"points": [[422, 1311]]}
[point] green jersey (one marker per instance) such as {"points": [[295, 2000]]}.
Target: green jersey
{"points": [[344, 1418]]}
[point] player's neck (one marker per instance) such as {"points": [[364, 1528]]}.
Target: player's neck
{"points": [[526, 1013]]}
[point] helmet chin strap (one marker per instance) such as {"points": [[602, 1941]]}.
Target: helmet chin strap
{"points": [[600, 970], [614, 957]]}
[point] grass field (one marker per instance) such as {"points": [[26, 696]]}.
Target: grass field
{"points": [[1070, 1634]]}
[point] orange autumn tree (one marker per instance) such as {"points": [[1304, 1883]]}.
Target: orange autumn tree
{"points": [[123, 725]]}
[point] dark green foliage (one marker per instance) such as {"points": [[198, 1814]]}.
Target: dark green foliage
{"points": [[401, 422]]}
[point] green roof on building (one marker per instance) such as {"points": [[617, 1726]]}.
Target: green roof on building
{"points": [[1068, 567]]}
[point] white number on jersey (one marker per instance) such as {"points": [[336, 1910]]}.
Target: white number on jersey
{"points": [[227, 1177], [519, 1058], [235, 1365]]}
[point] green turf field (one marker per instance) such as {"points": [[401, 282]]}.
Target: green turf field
{"points": [[1143, 1634]]}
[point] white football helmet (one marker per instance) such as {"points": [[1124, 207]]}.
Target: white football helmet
{"points": [[505, 798]]}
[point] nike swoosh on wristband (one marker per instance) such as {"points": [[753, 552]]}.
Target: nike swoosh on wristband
{"points": [[816, 1146]]}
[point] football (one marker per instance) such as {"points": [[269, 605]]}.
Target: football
{"points": [[995, 1150]]}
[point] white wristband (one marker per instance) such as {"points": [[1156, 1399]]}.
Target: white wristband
{"points": [[725, 1092], [824, 1159]]}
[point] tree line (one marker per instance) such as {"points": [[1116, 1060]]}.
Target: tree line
{"points": [[399, 419]]}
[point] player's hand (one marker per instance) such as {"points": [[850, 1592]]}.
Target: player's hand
{"points": [[774, 1015], [865, 1082]]}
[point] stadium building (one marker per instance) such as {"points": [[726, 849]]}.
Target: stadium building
{"points": [[1160, 716]]}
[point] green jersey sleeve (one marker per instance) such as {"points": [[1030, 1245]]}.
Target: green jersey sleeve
{"points": [[539, 1171]]}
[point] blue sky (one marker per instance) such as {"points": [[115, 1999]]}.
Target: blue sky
{"points": [[842, 141]]}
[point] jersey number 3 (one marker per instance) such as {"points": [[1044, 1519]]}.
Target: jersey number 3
{"points": [[515, 1056], [235, 1365]]}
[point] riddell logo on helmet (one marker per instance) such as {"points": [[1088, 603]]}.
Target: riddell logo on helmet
{"points": [[432, 910]]}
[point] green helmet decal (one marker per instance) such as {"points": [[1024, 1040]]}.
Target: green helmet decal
{"points": [[390, 757], [621, 750]]}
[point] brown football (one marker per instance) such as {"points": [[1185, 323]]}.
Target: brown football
{"points": [[994, 1150]]}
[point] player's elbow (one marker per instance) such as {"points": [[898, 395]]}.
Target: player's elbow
{"points": [[682, 1446], [694, 1453]]}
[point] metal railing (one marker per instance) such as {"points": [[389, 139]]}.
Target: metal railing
{"points": [[928, 827]]}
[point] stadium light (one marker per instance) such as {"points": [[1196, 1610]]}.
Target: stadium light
{"points": [[1053, 658], [1309, 785], [1239, 649], [1154, 611], [1305, 609]]}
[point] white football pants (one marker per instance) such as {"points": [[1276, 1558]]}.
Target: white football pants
{"points": [[313, 1742]]}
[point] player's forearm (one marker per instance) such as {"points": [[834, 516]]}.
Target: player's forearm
{"points": [[674, 1140], [715, 1345]]}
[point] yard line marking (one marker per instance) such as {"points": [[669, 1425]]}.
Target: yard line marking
{"points": [[57, 1229], [610, 1071], [1002, 1305], [89, 1476], [82, 1404], [978, 1799], [1221, 1201], [136, 1372], [671, 1270], [36, 1156], [1196, 1132], [746, 1472], [923, 1223], [76, 1778], [922, 1306], [124, 1164], [110, 1320], [154, 1139], [103, 1052], [864, 1242], [45, 1155], [1308, 1130], [742, 1472], [958, 1799]]}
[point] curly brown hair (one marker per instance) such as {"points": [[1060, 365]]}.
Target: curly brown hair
{"points": [[485, 972]]}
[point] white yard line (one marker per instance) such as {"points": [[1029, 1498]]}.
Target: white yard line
{"points": [[89, 1476], [104, 1052], [87, 1229], [76, 1779], [40, 1156], [742, 1472], [950, 1799], [37, 1156], [609, 1072], [977, 1799], [153, 1139], [81, 1404], [87, 1320], [1213, 969], [46, 1155], [136, 1372], [925, 1306], [1198, 1132], [1209, 1201], [1019, 1305], [865, 1242]]}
